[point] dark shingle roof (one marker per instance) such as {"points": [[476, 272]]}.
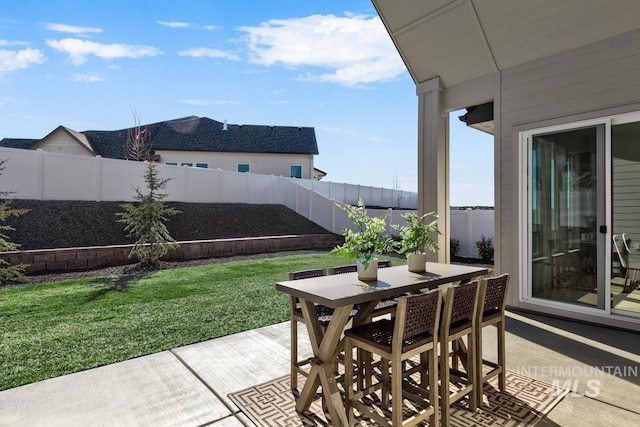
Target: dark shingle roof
{"points": [[23, 143], [204, 134]]}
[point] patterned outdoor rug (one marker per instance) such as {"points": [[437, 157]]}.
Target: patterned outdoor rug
{"points": [[524, 403]]}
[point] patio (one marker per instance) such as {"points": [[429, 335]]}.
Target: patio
{"points": [[189, 385]]}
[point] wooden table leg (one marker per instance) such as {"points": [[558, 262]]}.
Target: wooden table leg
{"points": [[321, 373]]}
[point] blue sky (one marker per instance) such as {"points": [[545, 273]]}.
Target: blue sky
{"points": [[327, 64]]}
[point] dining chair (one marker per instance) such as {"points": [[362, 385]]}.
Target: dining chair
{"points": [[341, 269], [491, 311], [458, 321], [625, 241], [413, 332], [384, 307], [384, 263], [324, 313], [627, 262]]}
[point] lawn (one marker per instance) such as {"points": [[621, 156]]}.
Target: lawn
{"points": [[54, 329]]}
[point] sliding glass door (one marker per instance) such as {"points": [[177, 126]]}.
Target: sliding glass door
{"points": [[566, 183], [582, 232], [625, 217]]}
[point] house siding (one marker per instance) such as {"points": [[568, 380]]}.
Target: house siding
{"points": [[259, 163], [589, 82], [61, 142]]}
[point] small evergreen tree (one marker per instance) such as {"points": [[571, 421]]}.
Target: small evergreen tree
{"points": [[146, 221], [8, 272]]}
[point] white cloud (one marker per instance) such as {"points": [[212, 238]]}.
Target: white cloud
{"points": [[78, 50], [340, 131], [12, 60], [357, 49], [210, 27], [205, 52], [203, 102], [174, 24], [87, 78], [4, 100], [63, 28], [4, 42]]}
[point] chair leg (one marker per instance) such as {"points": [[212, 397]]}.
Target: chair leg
{"points": [[396, 392], [348, 379], [386, 381], [294, 354], [502, 356], [433, 384], [479, 367], [444, 385], [471, 374]]}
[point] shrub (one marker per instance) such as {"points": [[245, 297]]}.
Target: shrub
{"points": [[454, 247], [8, 272], [485, 249]]}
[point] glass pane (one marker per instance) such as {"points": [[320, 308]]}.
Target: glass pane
{"points": [[564, 213], [296, 171], [625, 216]]}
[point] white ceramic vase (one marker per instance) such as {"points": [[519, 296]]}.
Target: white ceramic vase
{"points": [[367, 271], [417, 262]]}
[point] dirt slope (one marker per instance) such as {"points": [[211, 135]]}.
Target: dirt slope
{"points": [[60, 224]]}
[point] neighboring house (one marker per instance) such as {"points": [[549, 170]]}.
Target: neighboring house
{"points": [[198, 142], [558, 85]]}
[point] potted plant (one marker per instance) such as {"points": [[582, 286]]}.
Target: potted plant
{"points": [[415, 239], [369, 239]]}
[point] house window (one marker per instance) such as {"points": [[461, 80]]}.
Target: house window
{"points": [[296, 171], [188, 164], [202, 165], [243, 168], [171, 163]]}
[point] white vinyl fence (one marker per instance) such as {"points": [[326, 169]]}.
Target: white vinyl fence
{"points": [[45, 175]]}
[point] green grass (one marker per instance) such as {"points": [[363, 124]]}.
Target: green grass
{"points": [[54, 329]]}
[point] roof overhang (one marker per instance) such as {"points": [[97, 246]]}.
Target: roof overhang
{"points": [[463, 40]]}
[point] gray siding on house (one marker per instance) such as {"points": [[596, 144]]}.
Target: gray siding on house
{"points": [[625, 198], [588, 82]]}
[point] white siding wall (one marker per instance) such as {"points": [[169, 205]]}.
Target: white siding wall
{"points": [[588, 82], [260, 163], [61, 142], [625, 183]]}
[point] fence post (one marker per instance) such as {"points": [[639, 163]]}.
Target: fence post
{"points": [[39, 174], [311, 204], [98, 178], [469, 236]]}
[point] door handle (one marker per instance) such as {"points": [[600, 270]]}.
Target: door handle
{"points": [[603, 229]]}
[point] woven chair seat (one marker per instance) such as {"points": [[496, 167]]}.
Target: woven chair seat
{"points": [[493, 313], [380, 335], [458, 326]]}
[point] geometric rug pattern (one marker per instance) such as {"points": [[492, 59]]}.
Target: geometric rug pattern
{"points": [[523, 403]]}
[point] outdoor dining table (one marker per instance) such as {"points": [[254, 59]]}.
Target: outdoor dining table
{"points": [[341, 292]]}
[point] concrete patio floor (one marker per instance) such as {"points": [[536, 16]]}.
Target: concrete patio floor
{"points": [[188, 386]]}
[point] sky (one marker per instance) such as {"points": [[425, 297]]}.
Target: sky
{"points": [[326, 64]]}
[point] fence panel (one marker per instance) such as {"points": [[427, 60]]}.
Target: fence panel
{"points": [[260, 187], [468, 226], [22, 173], [321, 210], [44, 175], [117, 182]]}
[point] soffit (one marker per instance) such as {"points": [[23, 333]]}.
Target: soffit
{"points": [[462, 40]]}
